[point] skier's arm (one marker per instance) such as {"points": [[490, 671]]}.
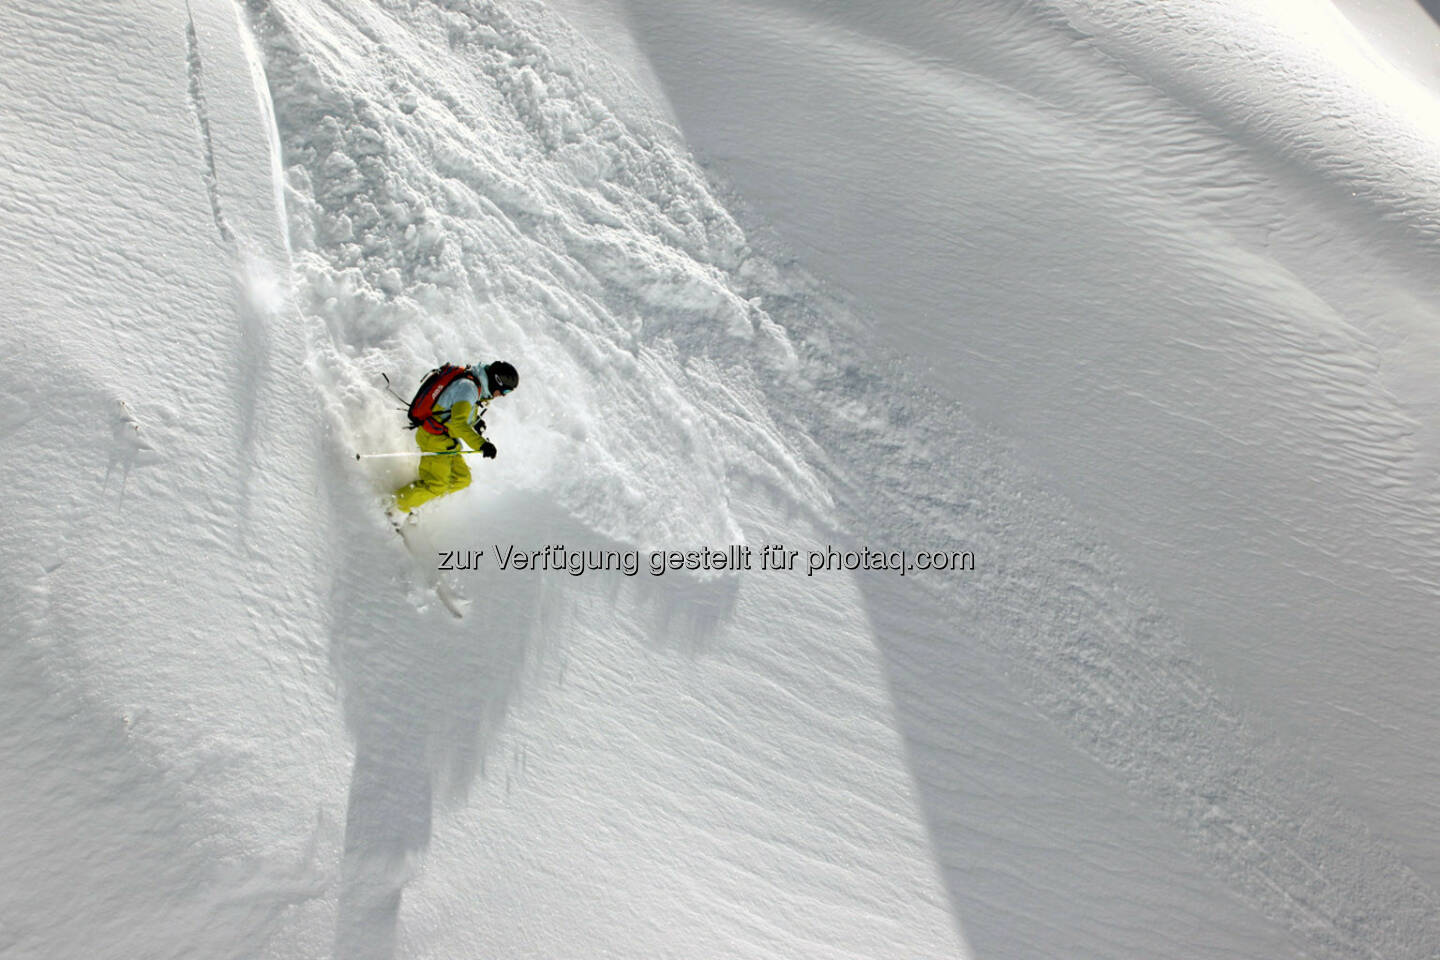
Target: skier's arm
{"points": [[460, 427]]}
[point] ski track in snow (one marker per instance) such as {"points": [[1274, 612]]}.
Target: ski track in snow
{"points": [[202, 119]]}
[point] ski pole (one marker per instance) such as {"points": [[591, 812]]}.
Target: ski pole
{"points": [[397, 396], [417, 453]]}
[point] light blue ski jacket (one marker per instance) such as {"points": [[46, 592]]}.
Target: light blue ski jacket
{"points": [[464, 390]]}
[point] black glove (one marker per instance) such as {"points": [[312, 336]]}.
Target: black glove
{"points": [[487, 450]]}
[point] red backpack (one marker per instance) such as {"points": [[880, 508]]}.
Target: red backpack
{"points": [[422, 408]]}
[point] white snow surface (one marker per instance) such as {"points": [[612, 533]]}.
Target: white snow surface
{"points": [[1133, 301]]}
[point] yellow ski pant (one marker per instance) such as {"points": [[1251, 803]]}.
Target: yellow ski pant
{"points": [[440, 472]]}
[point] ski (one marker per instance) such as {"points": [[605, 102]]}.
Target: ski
{"points": [[454, 602]]}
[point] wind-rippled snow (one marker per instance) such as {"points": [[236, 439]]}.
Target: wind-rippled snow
{"points": [[1129, 302]]}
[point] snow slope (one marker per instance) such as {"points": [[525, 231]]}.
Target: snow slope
{"points": [[240, 725], [253, 592], [1182, 256]]}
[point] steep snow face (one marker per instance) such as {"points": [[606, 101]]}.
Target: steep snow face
{"points": [[236, 221], [620, 759], [647, 767], [172, 752], [456, 192], [515, 211], [1183, 255]]}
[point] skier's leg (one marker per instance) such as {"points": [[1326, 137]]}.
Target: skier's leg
{"points": [[434, 480], [459, 474]]}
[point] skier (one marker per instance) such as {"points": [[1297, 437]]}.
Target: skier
{"points": [[446, 411]]}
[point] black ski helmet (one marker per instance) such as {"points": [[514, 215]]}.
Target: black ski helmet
{"points": [[502, 376]]}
